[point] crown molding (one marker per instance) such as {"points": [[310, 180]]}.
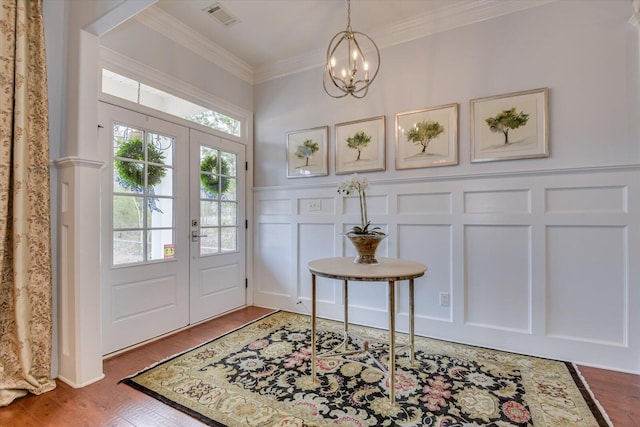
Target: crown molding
{"points": [[458, 14], [119, 63], [165, 24]]}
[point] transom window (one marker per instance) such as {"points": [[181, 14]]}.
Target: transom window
{"points": [[131, 90]]}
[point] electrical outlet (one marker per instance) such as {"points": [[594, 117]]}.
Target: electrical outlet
{"points": [[314, 205], [444, 299]]}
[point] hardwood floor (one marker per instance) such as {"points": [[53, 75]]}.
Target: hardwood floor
{"points": [[107, 403]]}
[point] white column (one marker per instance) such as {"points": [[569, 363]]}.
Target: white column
{"points": [[79, 222], [78, 248]]}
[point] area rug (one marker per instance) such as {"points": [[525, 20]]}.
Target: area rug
{"points": [[260, 375]]}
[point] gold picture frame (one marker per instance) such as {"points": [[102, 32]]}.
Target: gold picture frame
{"points": [[510, 126], [360, 145], [308, 153], [427, 137]]}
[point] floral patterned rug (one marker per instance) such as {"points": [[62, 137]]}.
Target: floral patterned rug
{"points": [[260, 375]]}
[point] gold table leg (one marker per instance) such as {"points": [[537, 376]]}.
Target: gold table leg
{"points": [[392, 348], [313, 327], [345, 300], [411, 323]]}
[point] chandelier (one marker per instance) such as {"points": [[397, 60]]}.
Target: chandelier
{"points": [[347, 70]]}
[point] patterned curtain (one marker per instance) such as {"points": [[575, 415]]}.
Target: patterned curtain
{"points": [[25, 243]]}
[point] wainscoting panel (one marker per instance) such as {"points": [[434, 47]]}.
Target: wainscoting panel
{"points": [[274, 207], [424, 204], [316, 241], [506, 201], [587, 283], [498, 272], [274, 265], [431, 245], [542, 263], [590, 199]]}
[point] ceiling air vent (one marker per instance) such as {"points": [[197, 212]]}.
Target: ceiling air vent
{"points": [[221, 14]]}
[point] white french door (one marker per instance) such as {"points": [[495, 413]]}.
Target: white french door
{"points": [[217, 263], [158, 273]]}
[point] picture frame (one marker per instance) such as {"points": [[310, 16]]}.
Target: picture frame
{"points": [[360, 145], [308, 152], [427, 137], [510, 126]]}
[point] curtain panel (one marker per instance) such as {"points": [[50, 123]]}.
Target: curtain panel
{"points": [[25, 243]]}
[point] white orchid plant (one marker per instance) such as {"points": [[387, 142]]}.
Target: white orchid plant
{"points": [[360, 185]]}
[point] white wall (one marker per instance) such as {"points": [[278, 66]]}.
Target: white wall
{"points": [[538, 255], [585, 52]]}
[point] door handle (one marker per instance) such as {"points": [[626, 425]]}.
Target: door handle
{"points": [[195, 236]]}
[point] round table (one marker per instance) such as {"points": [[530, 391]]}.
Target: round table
{"points": [[389, 270]]}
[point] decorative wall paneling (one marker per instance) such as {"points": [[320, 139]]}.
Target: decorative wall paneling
{"points": [[535, 263]]}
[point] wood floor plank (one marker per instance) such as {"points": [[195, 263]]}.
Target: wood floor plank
{"points": [[108, 403]]}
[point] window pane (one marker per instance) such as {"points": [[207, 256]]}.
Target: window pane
{"points": [[163, 144], [229, 239], [160, 244], [127, 212], [159, 212], [127, 247], [141, 164], [121, 187], [228, 214], [120, 86], [208, 213], [165, 186], [209, 241], [232, 162], [129, 175], [127, 142], [230, 194]]}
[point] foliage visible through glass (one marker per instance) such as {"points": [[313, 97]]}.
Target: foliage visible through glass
{"points": [[143, 208], [218, 201]]}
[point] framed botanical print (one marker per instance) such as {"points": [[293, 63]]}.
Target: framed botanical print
{"points": [[427, 137], [360, 145], [307, 152], [511, 126]]}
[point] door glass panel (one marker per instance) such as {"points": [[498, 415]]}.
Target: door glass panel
{"points": [[160, 213], [229, 239], [143, 195], [230, 194], [165, 185], [127, 247], [128, 212], [218, 206], [209, 240], [208, 213], [160, 244], [228, 216]]}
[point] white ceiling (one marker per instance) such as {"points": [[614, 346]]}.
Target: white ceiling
{"points": [[278, 37]]}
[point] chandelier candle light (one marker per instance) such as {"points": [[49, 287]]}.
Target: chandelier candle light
{"points": [[351, 57], [363, 238]]}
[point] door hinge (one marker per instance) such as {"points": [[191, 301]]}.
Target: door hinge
{"points": [[246, 223], [246, 166], [246, 283]]}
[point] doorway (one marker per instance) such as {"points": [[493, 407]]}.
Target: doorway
{"points": [[173, 228]]}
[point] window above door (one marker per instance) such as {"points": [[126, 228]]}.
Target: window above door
{"points": [[132, 90]]}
